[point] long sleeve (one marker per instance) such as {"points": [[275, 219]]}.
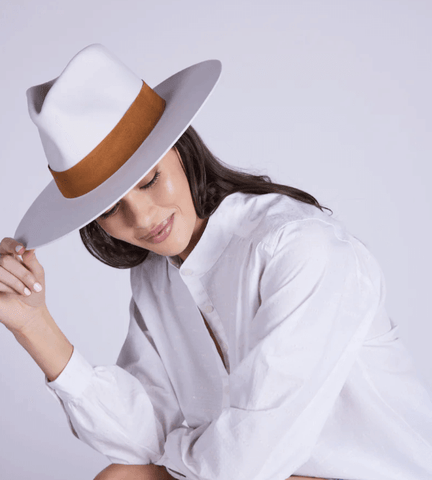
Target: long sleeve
{"points": [[317, 302], [123, 411]]}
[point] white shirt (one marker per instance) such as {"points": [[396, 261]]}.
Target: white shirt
{"points": [[317, 382]]}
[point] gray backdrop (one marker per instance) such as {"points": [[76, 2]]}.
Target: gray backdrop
{"points": [[332, 97]]}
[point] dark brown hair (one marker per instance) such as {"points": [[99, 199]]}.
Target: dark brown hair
{"points": [[210, 181]]}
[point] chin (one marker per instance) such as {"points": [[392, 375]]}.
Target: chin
{"points": [[169, 250]]}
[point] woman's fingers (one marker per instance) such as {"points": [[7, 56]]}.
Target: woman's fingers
{"points": [[15, 275], [21, 298], [8, 245]]}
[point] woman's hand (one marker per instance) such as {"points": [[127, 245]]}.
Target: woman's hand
{"points": [[17, 310]]}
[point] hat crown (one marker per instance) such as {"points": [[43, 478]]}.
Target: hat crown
{"points": [[77, 110]]}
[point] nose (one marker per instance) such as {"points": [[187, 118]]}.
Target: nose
{"points": [[140, 212]]}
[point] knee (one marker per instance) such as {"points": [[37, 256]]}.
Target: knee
{"points": [[117, 471], [109, 473]]}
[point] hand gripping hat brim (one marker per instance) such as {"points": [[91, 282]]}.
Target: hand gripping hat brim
{"points": [[52, 215]]}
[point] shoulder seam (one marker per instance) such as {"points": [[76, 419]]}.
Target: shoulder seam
{"points": [[278, 229], [271, 249]]}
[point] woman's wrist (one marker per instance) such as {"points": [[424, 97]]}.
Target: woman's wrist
{"points": [[46, 344]]}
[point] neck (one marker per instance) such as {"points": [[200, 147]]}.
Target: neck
{"points": [[200, 226]]}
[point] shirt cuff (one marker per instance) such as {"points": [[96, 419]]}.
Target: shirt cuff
{"points": [[74, 378]]}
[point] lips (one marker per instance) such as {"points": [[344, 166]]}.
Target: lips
{"points": [[158, 228]]}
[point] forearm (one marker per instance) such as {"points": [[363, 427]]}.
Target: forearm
{"points": [[46, 344]]}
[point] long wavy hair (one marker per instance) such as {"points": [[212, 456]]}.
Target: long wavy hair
{"points": [[210, 181]]}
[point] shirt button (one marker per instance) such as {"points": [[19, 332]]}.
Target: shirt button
{"points": [[187, 271], [208, 309]]}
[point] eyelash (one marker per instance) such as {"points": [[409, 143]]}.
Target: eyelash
{"points": [[144, 187]]}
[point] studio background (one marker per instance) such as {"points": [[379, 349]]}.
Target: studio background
{"points": [[331, 97]]}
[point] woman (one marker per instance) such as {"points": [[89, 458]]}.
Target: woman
{"points": [[258, 345]]}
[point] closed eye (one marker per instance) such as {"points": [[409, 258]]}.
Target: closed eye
{"points": [[144, 187]]}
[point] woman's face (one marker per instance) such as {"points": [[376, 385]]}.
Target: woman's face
{"points": [[162, 199]]}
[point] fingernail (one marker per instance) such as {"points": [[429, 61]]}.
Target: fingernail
{"points": [[18, 248], [37, 287], [27, 291]]}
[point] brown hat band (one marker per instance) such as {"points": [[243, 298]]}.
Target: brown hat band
{"points": [[115, 149]]}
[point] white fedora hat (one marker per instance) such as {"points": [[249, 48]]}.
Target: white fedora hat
{"points": [[103, 129]]}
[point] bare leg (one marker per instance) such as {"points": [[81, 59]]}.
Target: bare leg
{"points": [[151, 472], [116, 471]]}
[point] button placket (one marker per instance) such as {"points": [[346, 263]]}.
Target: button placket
{"points": [[213, 320], [186, 272], [207, 309]]}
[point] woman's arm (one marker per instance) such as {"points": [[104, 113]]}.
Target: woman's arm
{"points": [[23, 309], [46, 344], [123, 411]]}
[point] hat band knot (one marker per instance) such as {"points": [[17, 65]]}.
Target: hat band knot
{"points": [[116, 148]]}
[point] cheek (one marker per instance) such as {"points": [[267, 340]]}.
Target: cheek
{"points": [[100, 223], [111, 227], [176, 190], [107, 228], [169, 188]]}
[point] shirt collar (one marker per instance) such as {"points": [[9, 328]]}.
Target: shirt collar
{"points": [[215, 238]]}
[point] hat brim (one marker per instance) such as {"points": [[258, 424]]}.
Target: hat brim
{"points": [[52, 216]]}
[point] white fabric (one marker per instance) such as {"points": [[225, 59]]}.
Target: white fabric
{"points": [[78, 109], [318, 381]]}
